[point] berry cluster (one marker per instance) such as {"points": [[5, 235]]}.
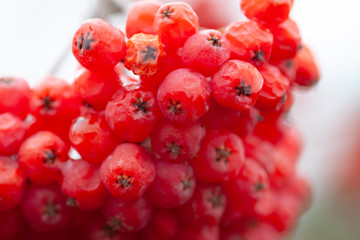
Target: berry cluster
{"points": [[197, 145]]}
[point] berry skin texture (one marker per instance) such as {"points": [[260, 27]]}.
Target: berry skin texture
{"points": [[82, 185], [307, 71], [287, 40], [141, 17], [177, 142], [98, 45], [206, 206], [268, 12], [126, 217], [274, 91], [12, 183], [173, 186], [249, 42], [16, 91], [132, 114], [91, 136], [41, 155], [220, 158], [144, 52], [206, 51], [44, 208], [174, 23], [12, 132], [127, 172], [184, 96], [237, 85]]}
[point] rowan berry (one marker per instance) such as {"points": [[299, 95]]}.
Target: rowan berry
{"points": [[140, 18], [249, 42], [12, 132], [206, 51], [175, 22], [98, 45], [184, 96], [128, 172], [41, 155], [307, 72], [236, 85], [144, 52], [173, 186], [220, 157], [12, 183], [16, 91], [132, 114]]}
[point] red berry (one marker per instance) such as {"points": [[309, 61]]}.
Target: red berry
{"points": [[126, 217], [249, 42], [237, 85], [44, 208], [206, 206], [16, 91], [144, 52], [82, 185], [183, 96], [127, 172], [41, 156], [92, 138], [140, 18], [12, 183], [96, 88], [173, 186], [132, 114], [177, 142], [174, 23], [307, 72], [206, 51], [98, 45], [268, 12], [12, 132]]}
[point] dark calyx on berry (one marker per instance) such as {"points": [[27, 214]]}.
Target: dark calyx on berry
{"points": [[215, 199], [50, 156], [186, 183], [222, 154], [51, 209], [150, 53], [71, 202], [174, 149], [175, 107], [243, 89], [47, 103], [259, 56], [167, 12], [259, 187], [141, 105], [123, 180], [112, 227], [215, 41], [84, 43]]}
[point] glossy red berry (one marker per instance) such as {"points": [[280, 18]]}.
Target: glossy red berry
{"points": [[220, 158], [206, 51], [249, 42], [82, 185], [140, 18], [132, 114], [41, 155], [173, 186], [12, 183], [236, 85], [177, 142], [44, 208], [12, 132], [126, 217], [91, 136], [98, 45], [184, 96], [144, 53], [128, 172], [16, 91], [307, 71], [174, 22], [268, 12]]}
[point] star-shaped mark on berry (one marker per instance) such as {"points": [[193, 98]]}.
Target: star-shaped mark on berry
{"points": [[50, 156], [51, 209], [47, 103], [141, 105], [214, 40], [124, 181], [215, 199], [259, 56], [174, 149], [222, 154], [243, 89], [186, 183], [85, 43], [150, 53], [175, 107], [259, 186], [166, 13]]}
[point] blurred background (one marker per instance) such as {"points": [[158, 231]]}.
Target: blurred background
{"points": [[35, 41]]}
